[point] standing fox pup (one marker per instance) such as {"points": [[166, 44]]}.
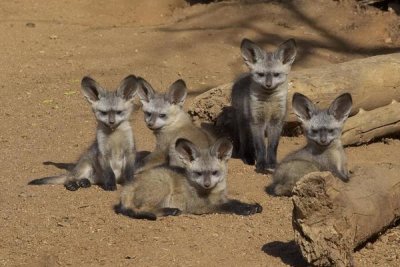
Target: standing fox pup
{"points": [[259, 100], [324, 150], [164, 115], [197, 188], [110, 159]]}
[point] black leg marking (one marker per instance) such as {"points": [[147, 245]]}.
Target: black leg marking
{"points": [[171, 212], [240, 208], [135, 215], [71, 186], [110, 183], [84, 183]]}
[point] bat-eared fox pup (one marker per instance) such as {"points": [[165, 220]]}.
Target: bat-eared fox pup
{"points": [[324, 150], [199, 187], [110, 159], [259, 100], [164, 115]]}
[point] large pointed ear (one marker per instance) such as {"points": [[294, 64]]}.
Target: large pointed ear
{"points": [[145, 90], [91, 89], [222, 149], [186, 150], [251, 52], [287, 51], [341, 107], [177, 93], [128, 87], [303, 107]]}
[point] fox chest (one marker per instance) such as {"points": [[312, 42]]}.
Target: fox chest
{"points": [[272, 110], [116, 152]]}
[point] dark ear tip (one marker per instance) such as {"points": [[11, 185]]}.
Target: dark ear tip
{"points": [[86, 80], [130, 76], [180, 82], [180, 141], [292, 41], [245, 41], [347, 95], [298, 95]]}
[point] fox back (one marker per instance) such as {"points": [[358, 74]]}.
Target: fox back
{"points": [[259, 100], [324, 151]]}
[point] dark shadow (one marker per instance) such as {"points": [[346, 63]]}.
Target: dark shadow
{"points": [[288, 252], [194, 2], [63, 166], [305, 46], [376, 236]]}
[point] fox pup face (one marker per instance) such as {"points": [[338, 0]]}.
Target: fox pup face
{"points": [[322, 126], [269, 69], [110, 108], [160, 109], [205, 168]]}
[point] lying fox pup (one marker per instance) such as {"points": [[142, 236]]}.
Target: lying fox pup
{"points": [[324, 150], [197, 188], [164, 115], [111, 157]]}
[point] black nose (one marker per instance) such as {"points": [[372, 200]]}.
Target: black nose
{"points": [[207, 185], [111, 122]]}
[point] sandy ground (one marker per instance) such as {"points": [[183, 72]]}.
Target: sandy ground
{"points": [[48, 46]]}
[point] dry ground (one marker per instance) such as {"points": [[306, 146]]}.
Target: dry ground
{"points": [[45, 49]]}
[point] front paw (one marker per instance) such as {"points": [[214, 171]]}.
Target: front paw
{"points": [[71, 186], [249, 209], [84, 183], [265, 168], [171, 212], [110, 186], [248, 159]]}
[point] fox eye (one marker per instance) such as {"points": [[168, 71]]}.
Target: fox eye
{"points": [[314, 131], [260, 74], [215, 173], [331, 131], [276, 74], [148, 114], [118, 112], [103, 113], [162, 115], [197, 173]]}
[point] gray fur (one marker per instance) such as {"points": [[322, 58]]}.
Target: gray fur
{"points": [[259, 100], [324, 150], [110, 159], [164, 115], [198, 187]]}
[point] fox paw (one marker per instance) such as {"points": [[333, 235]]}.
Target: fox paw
{"points": [[171, 212], [266, 168], [249, 209], [71, 186], [84, 183], [110, 186]]}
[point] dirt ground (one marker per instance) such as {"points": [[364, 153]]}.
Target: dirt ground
{"points": [[48, 46]]}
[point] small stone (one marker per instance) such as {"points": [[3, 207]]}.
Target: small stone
{"points": [[53, 37], [388, 40], [30, 25], [369, 246]]}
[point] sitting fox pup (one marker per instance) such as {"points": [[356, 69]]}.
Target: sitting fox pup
{"points": [[111, 157], [324, 150], [197, 188], [164, 115]]}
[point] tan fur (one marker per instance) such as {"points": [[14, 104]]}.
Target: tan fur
{"points": [[199, 187]]}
